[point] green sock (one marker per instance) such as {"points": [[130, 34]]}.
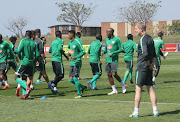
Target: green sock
{"points": [[94, 84], [126, 75], [130, 74], [77, 85], [22, 83], [23, 90], [95, 78], [72, 81]]}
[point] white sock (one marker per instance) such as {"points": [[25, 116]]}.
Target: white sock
{"points": [[0, 83], [55, 88], [155, 109], [6, 83], [154, 78], [136, 110], [113, 88], [31, 87], [19, 86]]}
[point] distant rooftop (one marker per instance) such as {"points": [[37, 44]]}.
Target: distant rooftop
{"points": [[72, 25]]}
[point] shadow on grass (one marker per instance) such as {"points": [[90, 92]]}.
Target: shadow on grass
{"points": [[171, 81], [170, 112], [104, 94]]}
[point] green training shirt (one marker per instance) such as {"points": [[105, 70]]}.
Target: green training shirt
{"points": [[158, 44], [129, 48], [56, 49], [4, 47], [79, 39], [28, 51], [95, 51], [76, 51], [114, 47], [11, 56]]}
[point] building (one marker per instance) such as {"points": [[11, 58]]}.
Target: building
{"points": [[124, 28], [86, 30]]}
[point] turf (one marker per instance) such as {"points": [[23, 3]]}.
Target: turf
{"points": [[95, 105]]}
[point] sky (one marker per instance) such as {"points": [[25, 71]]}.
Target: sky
{"points": [[43, 13]]}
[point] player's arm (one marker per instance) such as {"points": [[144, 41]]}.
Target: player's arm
{"points": [[135, 47], [154, 59], [123, 50], [63, 52], [144, 43], [119, 48], [36, 53], [105, 49], [41, 51], [89, 49], [82, 52], [19, 48], [50, 49], [163, 47]]}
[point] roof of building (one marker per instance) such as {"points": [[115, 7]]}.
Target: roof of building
{"points": [[72, 25]]}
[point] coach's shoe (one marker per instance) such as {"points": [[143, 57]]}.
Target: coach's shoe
{"points": [[23, 97], [123, 88], [95, 88], [131, 81], [156, 114], [89, 85], [17, 92], [6, 86], [113, 92], [83, 89], [78, 96], [136, 115], [28, 90]]}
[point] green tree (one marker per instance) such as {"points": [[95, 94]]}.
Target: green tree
{"points": [[138, 11], [174, 29], [74, 13]]}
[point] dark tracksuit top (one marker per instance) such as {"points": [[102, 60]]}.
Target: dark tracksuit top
{"points": [[146, 51]]}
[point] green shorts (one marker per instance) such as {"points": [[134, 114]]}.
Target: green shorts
{"points": [[143, 78], [111, 67]]}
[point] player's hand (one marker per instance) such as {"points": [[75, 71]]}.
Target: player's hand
{"points": [[8, 60], [44, 61], [14, 52], [68, 54], [102, 54], [110, 55], [100, 62], [73, 58], [37, 63], [152, 67], [17, 60]]}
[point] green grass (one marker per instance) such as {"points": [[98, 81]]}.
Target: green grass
{"points": [[95, 105]]}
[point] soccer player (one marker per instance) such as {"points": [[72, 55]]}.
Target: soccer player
{"points": [[56, 49], [144, 68], [41, 59], [29, 51], [158, 44], [4, 48], [113, 47], [129, 48], [10, 60], [94, 59], [77, 52], [78, 37], [40, 74]]}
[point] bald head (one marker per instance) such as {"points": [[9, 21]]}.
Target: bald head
{"points": [[0, 37], [110, 32]]}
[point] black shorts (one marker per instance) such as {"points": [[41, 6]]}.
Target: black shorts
{"points": [[11, 64], [41, 66], [74, 71], [2, 67], [143, 78], [58, 68], [111, 67], [129, 64], [96, 68], [25, 70]]}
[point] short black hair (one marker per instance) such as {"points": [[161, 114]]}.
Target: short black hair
{"points": [[73, 32], [42, 38], [13, 38], [36, 31], [0, 37], [58, 33], [29, 33], [160, 34], [99, 37], [78, 34], [130, 37]]}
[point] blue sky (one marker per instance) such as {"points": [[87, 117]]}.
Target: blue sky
{"points": [[43, 13]]}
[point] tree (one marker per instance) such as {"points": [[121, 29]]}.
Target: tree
{"points": [[74, 13], [174, 29], [138, 11], [17, 25]]}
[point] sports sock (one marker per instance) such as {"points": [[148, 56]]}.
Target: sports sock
{"points": [[94, 84], [155, 109], [77, 85], [126, 75], [72, 81], [23, 89], [114, 88], [57, 79], [154, 78], [136, 110], [19, 86], [95, 78], [0, 83], [31, 86], [22, 83], [6, 83], [130, 74]]}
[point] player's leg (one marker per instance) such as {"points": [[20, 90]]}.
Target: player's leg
{"points": [[130, 73], [43, 71], [5, 76], [157, 64], [2, 72], [96, 70], [39, 77]]}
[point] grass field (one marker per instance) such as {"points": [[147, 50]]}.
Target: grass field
{"points": [[95, 105]]}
